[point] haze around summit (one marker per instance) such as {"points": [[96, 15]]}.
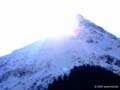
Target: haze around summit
{"points": [[25, 21]]}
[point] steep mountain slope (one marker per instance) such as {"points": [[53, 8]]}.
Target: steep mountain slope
{"points": [[37, 64]]}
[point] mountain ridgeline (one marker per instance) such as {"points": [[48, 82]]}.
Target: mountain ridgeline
{"points": [[36, 66]]}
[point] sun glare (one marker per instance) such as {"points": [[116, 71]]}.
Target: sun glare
{"points": [[26, 21], [60, 28]]}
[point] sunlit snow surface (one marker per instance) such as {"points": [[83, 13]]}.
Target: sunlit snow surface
{"points": [[37, 64]]}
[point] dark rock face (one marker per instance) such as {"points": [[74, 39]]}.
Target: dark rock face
{"points": [[111, 59], [16, 73], [85, 77], [117, 63]]}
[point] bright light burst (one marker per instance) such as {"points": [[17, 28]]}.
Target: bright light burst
{"points": [[59, 27], [26, 21]]}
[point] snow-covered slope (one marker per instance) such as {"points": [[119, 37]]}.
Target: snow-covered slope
{"points": [[37, 64]]}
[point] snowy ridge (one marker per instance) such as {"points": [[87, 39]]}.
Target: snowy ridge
{"points": [[37, 64]]}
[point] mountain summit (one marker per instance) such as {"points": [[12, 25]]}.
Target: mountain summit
{"points": [[39, 63]]}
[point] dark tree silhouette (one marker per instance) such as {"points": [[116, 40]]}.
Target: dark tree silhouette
{"points": [[85, 77]]}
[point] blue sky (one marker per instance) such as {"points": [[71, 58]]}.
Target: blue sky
{"points": [[25, 21]]}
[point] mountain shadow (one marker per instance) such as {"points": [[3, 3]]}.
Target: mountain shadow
{"points": [[86, 77]]}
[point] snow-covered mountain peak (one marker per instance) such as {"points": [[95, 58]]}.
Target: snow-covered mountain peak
{"points": [[37, 64], [89, 32]]}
